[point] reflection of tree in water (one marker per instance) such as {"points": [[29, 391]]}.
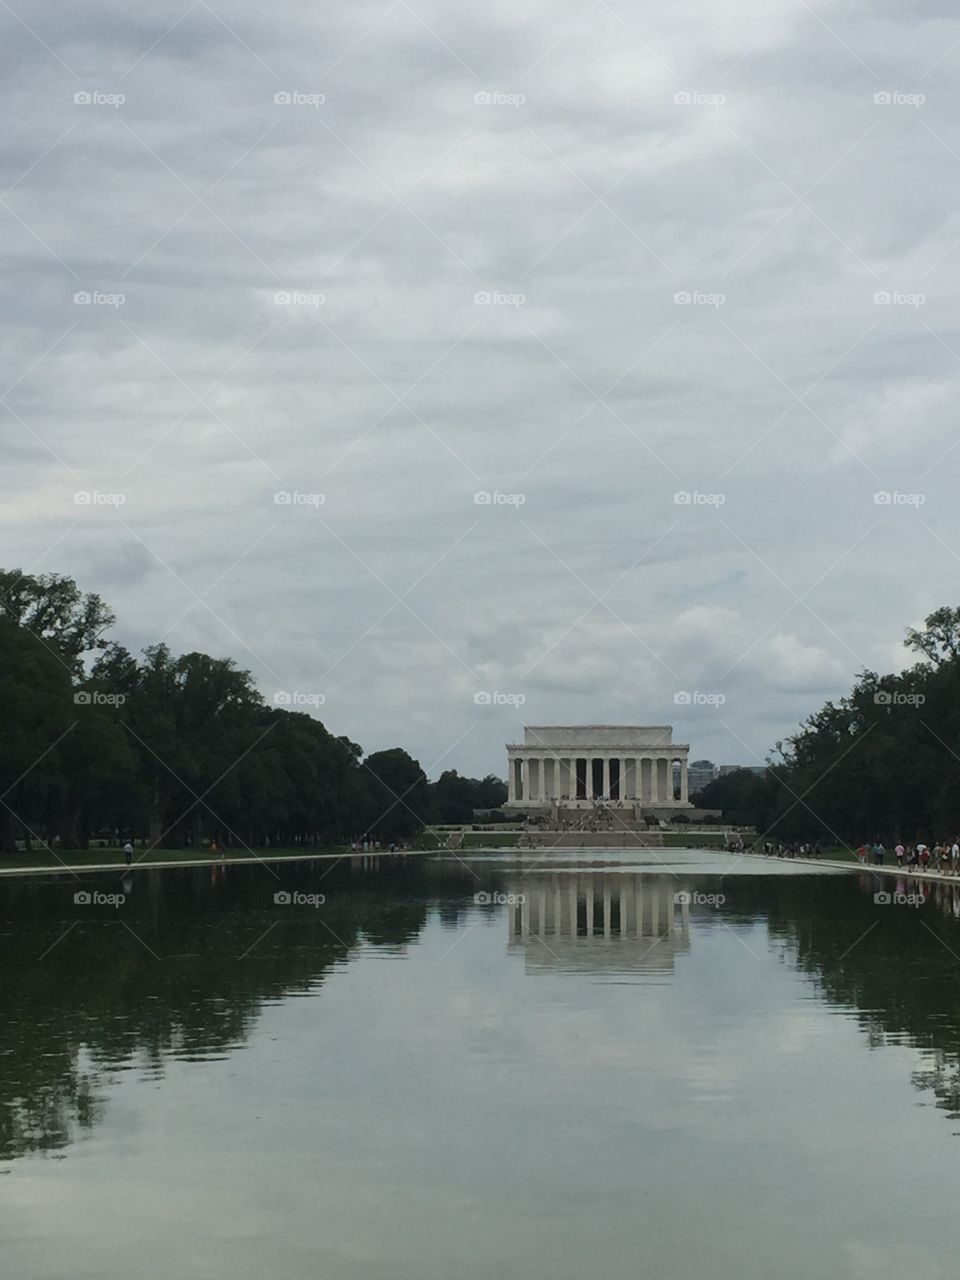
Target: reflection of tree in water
{"points": [[896, 966], [100, 1000]]}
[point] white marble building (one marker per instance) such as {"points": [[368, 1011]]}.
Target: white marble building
{"points": [[579, 766]]}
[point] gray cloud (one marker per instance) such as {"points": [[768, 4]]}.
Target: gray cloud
{"points": [[398, 397]]}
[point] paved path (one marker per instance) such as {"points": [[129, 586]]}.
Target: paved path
{"points": [[58, 869], [66, 868], [885, 870]]}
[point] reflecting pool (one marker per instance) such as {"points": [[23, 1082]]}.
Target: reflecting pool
{"points": [[588, 1064]]}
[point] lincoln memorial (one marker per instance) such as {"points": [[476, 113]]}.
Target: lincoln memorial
{"points": [[626, 767]]}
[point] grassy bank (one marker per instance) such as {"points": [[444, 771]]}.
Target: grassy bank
{"points": [[490, 840], [700, 840]]}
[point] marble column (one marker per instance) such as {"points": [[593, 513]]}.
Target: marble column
{"points": [[662, 782], [588, 777], [605, 785], [684, 782]]}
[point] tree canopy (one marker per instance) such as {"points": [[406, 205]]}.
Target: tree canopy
{"points": [[175, 749], [884, 761]]}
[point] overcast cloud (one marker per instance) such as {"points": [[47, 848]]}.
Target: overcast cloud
{"points": [[626, 153]]}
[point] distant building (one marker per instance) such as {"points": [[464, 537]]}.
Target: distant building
{"points": [[700, 773], [722, 769]]}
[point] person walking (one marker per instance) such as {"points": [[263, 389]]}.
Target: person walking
{"points": [[899, 853], [878, 852], [128, 853]]}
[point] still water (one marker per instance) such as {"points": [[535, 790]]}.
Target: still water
{"points": [[423, 1077]]}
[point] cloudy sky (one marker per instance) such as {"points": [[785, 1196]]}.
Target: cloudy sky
{"points": [[672, 286]]}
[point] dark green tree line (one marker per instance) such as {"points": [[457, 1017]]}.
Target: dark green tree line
{"points": [[884, 761], [98, 743]]}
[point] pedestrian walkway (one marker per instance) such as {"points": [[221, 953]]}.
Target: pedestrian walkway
{"points": [[67, 868], [887, 869]]}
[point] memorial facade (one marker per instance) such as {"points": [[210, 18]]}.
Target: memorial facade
{"points": [[581, 766]]}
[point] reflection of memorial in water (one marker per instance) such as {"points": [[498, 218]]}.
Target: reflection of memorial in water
{"points": [[598, 921]]}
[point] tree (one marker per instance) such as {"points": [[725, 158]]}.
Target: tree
{"points": [[398, 794], [455, 797], [37, 709], [55, 611], [939, 641]]}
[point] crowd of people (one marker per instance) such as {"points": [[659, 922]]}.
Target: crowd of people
{"points": [[790, 849], [943, 857]]}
